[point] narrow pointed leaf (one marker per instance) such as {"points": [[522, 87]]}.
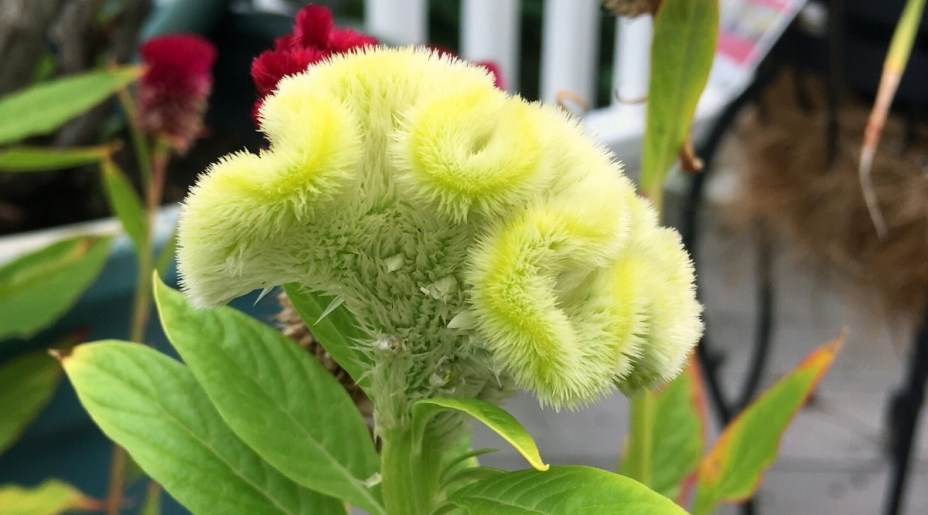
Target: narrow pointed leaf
{"points": [[40, 159], [43, 108], [39, 287], [276, 397], [682, 51], [338, 331], [152, 406], [49, 498], [494, 417], [560, 490], [26, 385], [893, 67], [125, 203], [678, 436], [733, 469]]}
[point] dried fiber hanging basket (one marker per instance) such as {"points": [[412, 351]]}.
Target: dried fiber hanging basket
{"points": [[789, 184]]}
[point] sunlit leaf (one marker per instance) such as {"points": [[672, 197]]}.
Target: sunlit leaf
{"points": [[43, 108], [682, 51], [40, 159], [337, 331], [125, 203], [733, 469], [276, 397], [561, 490], [678, 433], [37, 288], [49, 498], [26, 385], [493, 416], [152, 406]]}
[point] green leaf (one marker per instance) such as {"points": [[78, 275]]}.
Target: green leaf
{"points": [[681, 55], [560, 490], [276, 397], [125, 203], [26, 385], [40, 159], [152, 406], [43, 108], [733, 469], [49, 498], [677, 433], [494, 417], [39, 287], [338, 331]]}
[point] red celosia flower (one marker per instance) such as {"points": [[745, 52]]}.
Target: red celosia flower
{"points": [[314, 38], [173, 91]]}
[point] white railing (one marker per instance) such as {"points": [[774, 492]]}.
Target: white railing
{"points": [[570, 44]]}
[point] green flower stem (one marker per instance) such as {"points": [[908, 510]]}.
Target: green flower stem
{"points": [[139, 140], [639, 455], [409, 474]]}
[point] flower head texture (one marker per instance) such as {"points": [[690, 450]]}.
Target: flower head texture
{"points": [[480, 239], [172, 93]]}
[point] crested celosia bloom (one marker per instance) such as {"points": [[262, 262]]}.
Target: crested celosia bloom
{"points": [[172, 93], [479, 239]]}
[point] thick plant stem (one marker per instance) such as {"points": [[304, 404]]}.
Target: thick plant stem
{"points": [[641, 445], [405, 472]]}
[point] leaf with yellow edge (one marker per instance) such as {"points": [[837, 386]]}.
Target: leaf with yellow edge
{"points": [[733, 469], [678, 433], [49, 498], [494, 417]]}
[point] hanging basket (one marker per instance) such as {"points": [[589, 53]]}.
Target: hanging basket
{"points": [[789, 184]]}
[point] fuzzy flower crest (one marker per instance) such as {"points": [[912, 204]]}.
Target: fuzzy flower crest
{"points": [[489, 239], [173, 92]]}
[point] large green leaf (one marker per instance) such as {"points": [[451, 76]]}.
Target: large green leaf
{"points": [[276, 397], [494, 417], [37, 288], [734, 467], [678, 433], [560, 490], [49, 498], [43, 108], [682, 50], [125, 203], [152, 406], [26, 385], [335, 329], [39, 159]]}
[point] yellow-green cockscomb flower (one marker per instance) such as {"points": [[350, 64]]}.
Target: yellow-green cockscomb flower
{"points": [[487, 239]]}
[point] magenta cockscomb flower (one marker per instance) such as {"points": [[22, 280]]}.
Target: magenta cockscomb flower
{"points": [[173, 92], [314, 38]]}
